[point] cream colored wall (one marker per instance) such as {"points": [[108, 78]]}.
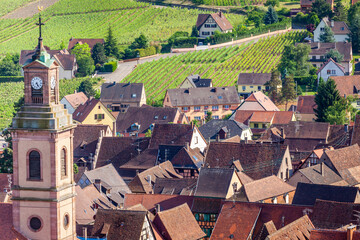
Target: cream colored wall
{"points": [[64, 141], [248, 88], [283, 165], [234, 179], [67, 207], [191, 114], [108, 119], [186, 84], [197, 141], [143, 98]]}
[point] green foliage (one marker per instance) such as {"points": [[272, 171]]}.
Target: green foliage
{"points": [[355, 31], [87, 88], [151, 50], [326, 97], [272, 3], [81, 50], [338, 113], [208, 117], [111, 45], [273, 84], [68, 86], [140, 42], [196, 122], [85, 66], [354, 12], [110, 66], [288, 92], [327, 35], [222, 65], [194, 32], [335, 55], [11, 93], [270, 16], [255, 17], [62, 45], [294, 60], [340, 12], [76, 168], [10, 5], [148, 133], [9, 66], [321, 8], [98, 54]]}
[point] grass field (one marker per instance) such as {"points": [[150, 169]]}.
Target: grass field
{"points": [[91, 19], [221, 65]]}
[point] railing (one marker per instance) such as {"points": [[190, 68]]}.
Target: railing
{"points": [[37, 100]]}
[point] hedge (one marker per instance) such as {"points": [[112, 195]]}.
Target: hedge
{"points": [[143, 52], [11, 79], [110, 66]]}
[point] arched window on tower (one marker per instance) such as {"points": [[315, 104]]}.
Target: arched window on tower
{"points": [[34, 165], [63, 162]]}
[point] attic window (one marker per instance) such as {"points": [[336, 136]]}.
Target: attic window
{"points": [[133, 95], [342, 28], [165, 117], [156, 117], [121, 96]]}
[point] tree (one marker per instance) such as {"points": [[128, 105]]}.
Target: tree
{"points": [[111, 46], [340, 12], [355, 32], [288, 90], [313, 19], [272, 3], [327, 35], [140, 42], [76, 168], [196, 123], [81, 50], [86, 87], [85, 65], [271, 16], [62, 45], [338, 113], [98, 54], [273, 84], [255, 17], [321, 8], [6, 161], [334, 54], [353, 12], [194, 31], [208, 117], [326, 97], [148, 133], [10, 66], [294, 60]]}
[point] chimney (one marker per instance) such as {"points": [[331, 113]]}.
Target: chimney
{"points": [[332, 23], [318, 45], [85, 232], [350, 232], [114, 129], [322, 169], [75, 91], [282, 132], [98, 184], [220, 14], [137, 171], [217, 138]]}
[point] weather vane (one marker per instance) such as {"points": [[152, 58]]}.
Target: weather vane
{"points": [[40, 8]]}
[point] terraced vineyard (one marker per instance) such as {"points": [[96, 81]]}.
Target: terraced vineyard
{"points": [[221, 65], [91, 19], [10, 5], [242, 3]]}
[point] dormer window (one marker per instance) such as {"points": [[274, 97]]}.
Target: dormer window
{"points": [[135, 126], [156, 117], [121, 96], [133, 95], [165, 117], [342, 28]]}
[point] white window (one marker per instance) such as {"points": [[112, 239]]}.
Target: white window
{"points": [[333, 72], [197, 118], [215, 117], [274, 200], [133, 95], [197, 109]]}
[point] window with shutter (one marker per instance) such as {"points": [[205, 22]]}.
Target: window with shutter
{"points": [[34, 165], [63, 162]]}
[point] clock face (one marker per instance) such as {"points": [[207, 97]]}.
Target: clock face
{"points": [[36, 83], [52, 82]]}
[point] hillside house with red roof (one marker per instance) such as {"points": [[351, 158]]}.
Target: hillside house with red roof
{"points": [[72, 101], [330, 69], [207, 24], [340, 29], [90, 41]]}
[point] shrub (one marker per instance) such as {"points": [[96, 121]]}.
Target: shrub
{"points": [[110, 66]]}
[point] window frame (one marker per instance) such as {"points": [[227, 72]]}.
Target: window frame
{"points": [[28, 178], [63, 165]]}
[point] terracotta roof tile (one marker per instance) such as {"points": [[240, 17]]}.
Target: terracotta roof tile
{"points": [[339, 28], [171, 134], [344, 158], [183, 186], [347, 85], [67, 61], [219, 17], [326, 234], [76, 99], [344, 48], [90, 41], [355, 138], [306, 104], [7, 230], [261, 99], [174, 221]]}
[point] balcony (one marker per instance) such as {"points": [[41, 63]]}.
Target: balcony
{"points": [[37, 99]]}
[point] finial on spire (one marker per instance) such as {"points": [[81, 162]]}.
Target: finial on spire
{"points": [[40, 46]]}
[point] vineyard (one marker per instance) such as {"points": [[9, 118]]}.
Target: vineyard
{"points": [[10, 5], [91, 19], [12, 92], [221, 65], [241, 3]]}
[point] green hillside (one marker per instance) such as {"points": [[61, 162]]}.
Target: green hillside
{"points": [[91, 19], [10, 5], [221, 65]]}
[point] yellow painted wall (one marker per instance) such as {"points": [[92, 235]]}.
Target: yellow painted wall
{"points": [[249, 89], [109, 119]]}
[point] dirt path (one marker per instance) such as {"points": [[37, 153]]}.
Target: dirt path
{"points": [[30, 9]]}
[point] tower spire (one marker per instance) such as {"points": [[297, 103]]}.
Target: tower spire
{"points": [[40, 47]]}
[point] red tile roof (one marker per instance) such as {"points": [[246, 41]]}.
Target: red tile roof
{"points": [[219, 18], [7, 230], [91, 42], [326, 234], [306, 104], [84, 109], [178, 223], [262, 100], [347, 85], [273, 117], [76, 99]]}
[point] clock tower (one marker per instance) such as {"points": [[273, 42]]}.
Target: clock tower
{"points": [[42, 136]]}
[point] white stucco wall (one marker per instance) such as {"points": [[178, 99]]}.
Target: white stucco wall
{"points": [[246, 133], [67, 105], [330, 66], [211, 30], [197, 141], [317, 33]]}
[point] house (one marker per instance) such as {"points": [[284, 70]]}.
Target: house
{"points": [[345, 162], [178, 223], [86, 138], [355, 136], [319, 50], [305, 108], [349, 86], [340, 29], [313, 158], [179, 186], [194, 81], [90, 41], [72, 101], [7, 230], [330, 69], [249, 83], [108, 182], [207, 24], [120, 96], [317, 174], [257, 160], [137, 121], [5, 187], [306, 5], [246, 220], [144, 181], [266, 190], [88, 201], [66, 61], [300, 228], [260, 121], [258, 101], [217, 183], [94, 112], [196, 102], [122, 225], [349, 233], [306, 194], [224, 129]]}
